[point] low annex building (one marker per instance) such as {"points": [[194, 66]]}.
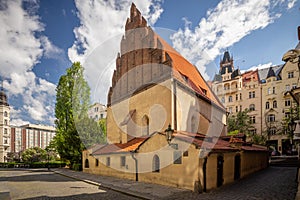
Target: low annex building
{"points": [[164, 124]]}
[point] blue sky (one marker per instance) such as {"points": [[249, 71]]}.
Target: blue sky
{"points": [[40, 39]]}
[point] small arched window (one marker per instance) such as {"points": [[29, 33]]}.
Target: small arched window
{"points": [[145, 122], [86, 163], [5, 114], [267, 105], [97, 163], [274, 104], [155, 164]]}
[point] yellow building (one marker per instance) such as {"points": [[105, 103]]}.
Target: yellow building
{"points": [[163, 118], [238, 91], [265, 92]]}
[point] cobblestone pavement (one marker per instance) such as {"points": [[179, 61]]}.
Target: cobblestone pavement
{"points": [[270, 184], [42, 184]]}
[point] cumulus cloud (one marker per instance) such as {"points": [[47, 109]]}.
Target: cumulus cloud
{"points": [[98, 38], [223, 26], [260, 66], [22, 47]]}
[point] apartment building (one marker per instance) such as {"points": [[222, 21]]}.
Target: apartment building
{"points": [[4, 126], [97, 111], [265, 92], [31, 135]]}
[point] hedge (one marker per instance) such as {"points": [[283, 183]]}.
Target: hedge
{"points": [[33, 165]]}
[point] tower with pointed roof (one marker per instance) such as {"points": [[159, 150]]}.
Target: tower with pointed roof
{"points": [[4, 125]]}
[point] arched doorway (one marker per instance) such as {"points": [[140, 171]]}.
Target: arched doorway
{"points": [[155, 164], [237, 167], [86, 163], [220, 162]]}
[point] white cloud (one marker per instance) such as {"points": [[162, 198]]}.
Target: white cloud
{"points": [[223, 26], [99, 35], [260, 66], [291, 4], [21, 49]]}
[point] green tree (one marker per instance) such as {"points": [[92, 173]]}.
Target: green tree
{"points": [[72, 102], [292, 114], [34, 154], [102, 124], [239, 123]]}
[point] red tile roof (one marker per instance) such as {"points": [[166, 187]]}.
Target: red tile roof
{"points": [[182, 67], [131, 145], [212, 143]]}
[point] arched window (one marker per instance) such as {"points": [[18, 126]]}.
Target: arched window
{"points": [[155, 164], [5, 114], [97, 163], [194, 125], [267, 105], [86, 163], [274, 104], [145, 122], [252, 107]]}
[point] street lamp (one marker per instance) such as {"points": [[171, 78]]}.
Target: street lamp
{"points": [[169, 133]]}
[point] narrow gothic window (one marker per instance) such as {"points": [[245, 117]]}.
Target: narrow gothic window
{"points": [[145, 125]]}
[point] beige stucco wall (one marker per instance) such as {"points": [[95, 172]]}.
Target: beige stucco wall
{"points": [[181, 175], [210, 119], [115, 169], [250, 162], [155, 103], [253, 161]]}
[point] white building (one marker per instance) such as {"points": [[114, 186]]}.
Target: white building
{"points": [[97, 111], [4, 126]]}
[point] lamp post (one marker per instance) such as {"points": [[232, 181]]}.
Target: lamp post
{"points": [[169, 134]]}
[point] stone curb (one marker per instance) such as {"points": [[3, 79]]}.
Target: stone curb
{"points": [[104, 187]]}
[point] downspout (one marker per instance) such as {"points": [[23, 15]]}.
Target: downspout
{"points": [[136, 165], [204, 174], [175, 102]]}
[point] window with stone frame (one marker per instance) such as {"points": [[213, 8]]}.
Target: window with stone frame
{"points": [[252, 107], [271, 118], [107, 161], [230, 99], [287, 102], [122, 161], [267, 105], [252, 95], [272, 131], [290, 74], [252, 119], [275, 104]]}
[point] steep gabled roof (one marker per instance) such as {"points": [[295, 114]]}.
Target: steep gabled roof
{"points": [[183, 67], [271, 73]]}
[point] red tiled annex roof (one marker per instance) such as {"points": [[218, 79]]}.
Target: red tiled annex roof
{"points": [[213, 143], [131, 145]]}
